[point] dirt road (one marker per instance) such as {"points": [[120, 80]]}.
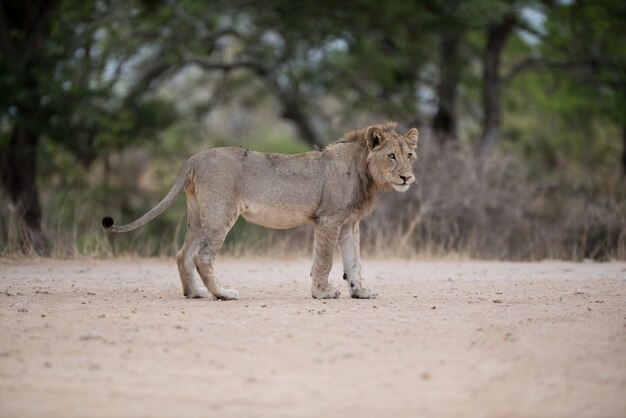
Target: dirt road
{"points": [[109, 338]]}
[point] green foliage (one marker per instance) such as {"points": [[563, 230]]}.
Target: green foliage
{"points": [[589, 35], [123, 92], [582, 137]]}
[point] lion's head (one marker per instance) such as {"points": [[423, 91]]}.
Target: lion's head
{"points": [[391, 156]]}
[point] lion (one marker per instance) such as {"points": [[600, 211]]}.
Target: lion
{"points": [[331, 188]]}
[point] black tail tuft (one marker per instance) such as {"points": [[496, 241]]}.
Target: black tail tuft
{"points": [[107, 222]]}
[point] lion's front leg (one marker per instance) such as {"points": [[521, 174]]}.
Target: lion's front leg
{"points": [[326, 232], [349, 246]]}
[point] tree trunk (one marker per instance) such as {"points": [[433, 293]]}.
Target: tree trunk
{"points": [[24, 32], [292, 109], [293, 112], [18, 172], [444, 123], [497, 36], [624, 150]]}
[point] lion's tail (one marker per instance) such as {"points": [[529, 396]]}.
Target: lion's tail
{"points": [[108, 223]]}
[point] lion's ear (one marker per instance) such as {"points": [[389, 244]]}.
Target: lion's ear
{"points": [[411, 137], [374, 136]]}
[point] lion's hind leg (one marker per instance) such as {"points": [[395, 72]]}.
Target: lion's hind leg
{"points": [[184, 257], [184, 260], [204, 259], [215, 226]]}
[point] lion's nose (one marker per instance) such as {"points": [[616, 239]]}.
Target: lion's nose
{"points": [[406, 178]]}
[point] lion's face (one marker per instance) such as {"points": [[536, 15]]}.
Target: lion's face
{"points": [[391, 158]]}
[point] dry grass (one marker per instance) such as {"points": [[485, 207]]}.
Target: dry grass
{"points": [[495, 209]]}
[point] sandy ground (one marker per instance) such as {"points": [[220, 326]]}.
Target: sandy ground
{"points": [[107, 338]]}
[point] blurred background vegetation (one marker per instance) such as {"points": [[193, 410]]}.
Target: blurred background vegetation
{"points": [[521, 107]]}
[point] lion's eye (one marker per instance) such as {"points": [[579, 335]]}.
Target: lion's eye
{"points": [[392, 156], [410, 155]]}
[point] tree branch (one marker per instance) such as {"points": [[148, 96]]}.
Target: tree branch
{"points": [[147, 79], [531, 64], [525, 26], [199, 26], [292, 108], [209, 64]]}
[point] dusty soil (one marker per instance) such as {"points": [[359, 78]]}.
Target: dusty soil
{"points": [[106, 338]]}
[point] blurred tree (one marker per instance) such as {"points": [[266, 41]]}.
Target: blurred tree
{"points": [[24, 34], [82, 74], [580, 51], [499, 20], [585, 42], [498, 33], [61, 72], [450, 71], [255, 37], [454, 26], [372, 57]]}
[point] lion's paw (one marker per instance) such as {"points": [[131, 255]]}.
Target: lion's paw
{"points": [[201, 292], [328, 292], [228, 294], [363, 293]]}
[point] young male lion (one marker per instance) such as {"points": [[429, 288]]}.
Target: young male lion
{"points": [[333, 188]]}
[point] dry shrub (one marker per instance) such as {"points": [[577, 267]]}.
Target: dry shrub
{"points": [[495, 208]]}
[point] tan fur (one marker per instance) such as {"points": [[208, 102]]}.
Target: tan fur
{"points": [[333, 188]]}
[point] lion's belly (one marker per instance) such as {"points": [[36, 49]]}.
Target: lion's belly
{"points": [[275, 216]]}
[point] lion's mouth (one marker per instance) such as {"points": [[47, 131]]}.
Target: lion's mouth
{"points": [[400, 187]]}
